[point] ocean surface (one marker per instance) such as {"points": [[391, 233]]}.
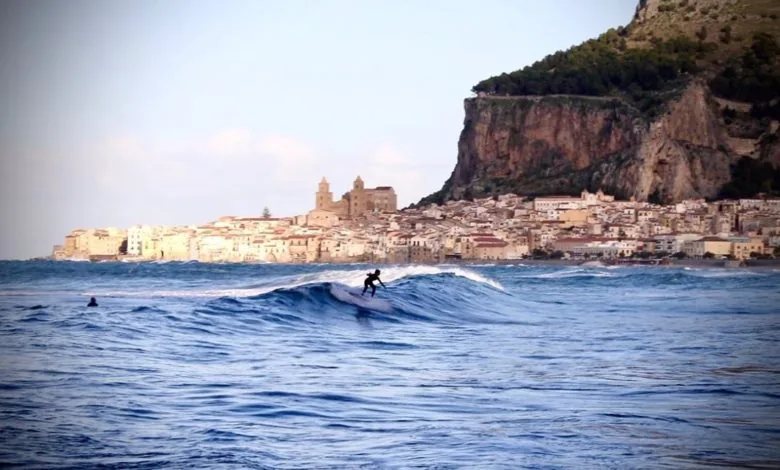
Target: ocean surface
{"points": [[188, 365]]}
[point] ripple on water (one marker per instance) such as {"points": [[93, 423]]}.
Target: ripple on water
{"points": [[262, 366]]}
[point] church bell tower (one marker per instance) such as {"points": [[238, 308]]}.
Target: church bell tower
{"points": [[324, 196], [357, 198]]}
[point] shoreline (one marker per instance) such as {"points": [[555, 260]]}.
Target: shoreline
{"points": [[710, 263]]}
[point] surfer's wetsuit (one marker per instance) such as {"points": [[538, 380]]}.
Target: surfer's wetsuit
{"points": [[369, 282]]}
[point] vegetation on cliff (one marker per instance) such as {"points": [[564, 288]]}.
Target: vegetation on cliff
{"points": [[666, 42], [750, 177], [752, 77], [602, 67]]}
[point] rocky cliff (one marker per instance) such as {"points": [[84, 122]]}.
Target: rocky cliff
{"points": [[563, 144], [682, 147]]}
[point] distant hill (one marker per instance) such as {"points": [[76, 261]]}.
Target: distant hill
{"points": [[682, 102]]}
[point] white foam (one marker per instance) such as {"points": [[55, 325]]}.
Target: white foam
{"points": [[573, 272], [721, 272], [350, 278], [593, 264], [355, 278]]}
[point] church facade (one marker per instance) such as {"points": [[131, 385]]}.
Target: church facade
{"points": [[356, 202]]}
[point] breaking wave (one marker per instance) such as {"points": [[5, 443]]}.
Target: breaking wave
{"points": [[348, 278]]}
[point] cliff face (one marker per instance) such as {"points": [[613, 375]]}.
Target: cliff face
{"points": [[660, 123], [563, 144]]}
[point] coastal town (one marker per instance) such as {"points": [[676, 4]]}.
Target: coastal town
{"points": [[365, 225]]}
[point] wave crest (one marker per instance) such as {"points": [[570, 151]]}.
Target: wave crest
{"points": [[349, 278], [355, 277]]}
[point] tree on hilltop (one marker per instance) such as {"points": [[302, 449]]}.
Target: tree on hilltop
{"points": [[266, 213]]}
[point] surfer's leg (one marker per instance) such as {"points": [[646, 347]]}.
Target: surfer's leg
{"points": [[365, 287], [373, 290]]}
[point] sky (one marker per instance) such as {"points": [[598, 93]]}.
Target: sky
{"points": [[117, 113]]}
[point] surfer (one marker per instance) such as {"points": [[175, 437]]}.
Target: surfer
{"points": [[369, 282], [92, 302]]}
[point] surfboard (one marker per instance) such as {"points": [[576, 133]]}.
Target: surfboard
{"points": [[355, 297]]}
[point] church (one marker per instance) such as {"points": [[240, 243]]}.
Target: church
{"points": [[354, 203]]}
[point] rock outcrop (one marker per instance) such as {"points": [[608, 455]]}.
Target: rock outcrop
{"points": [[682, 145], [563, 144]]}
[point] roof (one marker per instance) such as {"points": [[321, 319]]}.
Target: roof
{"points": [[491, 245], [487, 240], [559, 198], [583, 239], [713, 239]]}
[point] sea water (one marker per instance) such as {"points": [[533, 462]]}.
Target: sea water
{"points": [[188, 365]]}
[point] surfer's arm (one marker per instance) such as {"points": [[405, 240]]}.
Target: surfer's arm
{"points": [[383, 284]]}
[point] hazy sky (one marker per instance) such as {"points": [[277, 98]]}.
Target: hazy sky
{"points": [[120, 112]]}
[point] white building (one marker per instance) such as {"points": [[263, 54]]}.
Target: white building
{"points": [[136, 235], [674, 243], [544, 204]]}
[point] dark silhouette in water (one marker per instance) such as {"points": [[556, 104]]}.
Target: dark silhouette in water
{"points": [[369, 282], [92, 302]]}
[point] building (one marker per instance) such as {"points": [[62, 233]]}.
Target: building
{"points": [[356, 202], [175, 245], [673, 243], [573, 217], [75, 246], [139, 240], [322, 218], [364, 226], [104, 243], [714, 245], [544, 204], [744, 247]]}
